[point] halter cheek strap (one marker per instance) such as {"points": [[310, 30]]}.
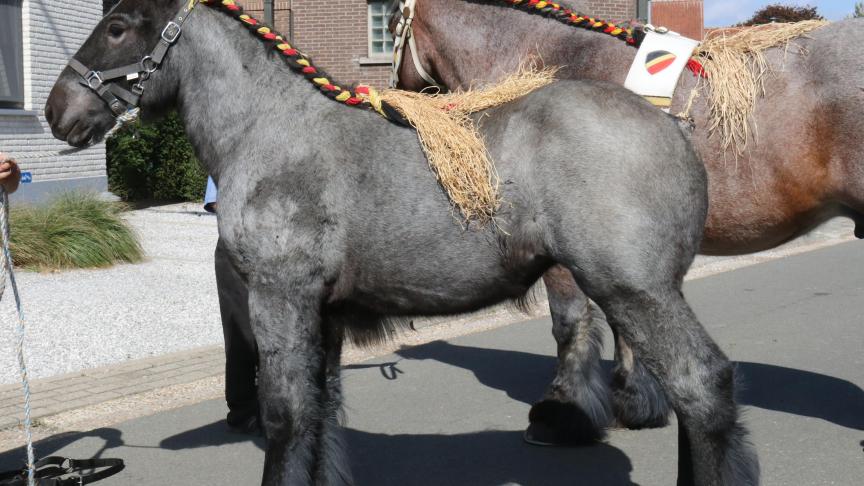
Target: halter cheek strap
{"points": [[120, 99], [402, 35]]}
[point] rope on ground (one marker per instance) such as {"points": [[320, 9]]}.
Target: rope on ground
{"points": [[6, 269]]}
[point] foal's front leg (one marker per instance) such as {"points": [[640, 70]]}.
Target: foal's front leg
{"points": [[286, 319]]}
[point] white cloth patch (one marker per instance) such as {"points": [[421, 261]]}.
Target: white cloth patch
{"points": [[658, 65]]}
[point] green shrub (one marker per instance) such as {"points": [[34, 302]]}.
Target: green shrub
{"points": [[154, 161], [76, 230]]}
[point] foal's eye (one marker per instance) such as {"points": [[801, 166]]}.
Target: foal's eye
{"points": [[116, 30]]}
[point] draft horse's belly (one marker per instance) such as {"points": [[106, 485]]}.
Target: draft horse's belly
{"points": [[452, 286]]}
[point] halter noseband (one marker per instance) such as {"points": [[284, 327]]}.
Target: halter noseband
{"points": [[119, 99], [403, 35]]}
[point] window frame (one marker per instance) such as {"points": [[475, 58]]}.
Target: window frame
{"points": [[16, 101], [370, 31]]}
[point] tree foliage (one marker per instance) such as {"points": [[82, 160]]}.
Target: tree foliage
{"points": [[154, 161], [783, 13]]}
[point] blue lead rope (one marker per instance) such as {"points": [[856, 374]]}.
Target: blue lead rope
{"points": [[7, 269]]}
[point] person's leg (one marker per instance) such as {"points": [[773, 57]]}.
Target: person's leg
{"points": [[241, 355], [210, 196]]}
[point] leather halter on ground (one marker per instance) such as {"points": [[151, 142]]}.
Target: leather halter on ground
{"points": [[400, 37], [119, 99], [50, 472]]}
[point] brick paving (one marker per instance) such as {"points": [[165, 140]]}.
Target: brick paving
{"points": [[62, 393]]}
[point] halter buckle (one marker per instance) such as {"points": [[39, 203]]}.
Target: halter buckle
{"points": [[171, 32], [89, 77], [148, 66]]}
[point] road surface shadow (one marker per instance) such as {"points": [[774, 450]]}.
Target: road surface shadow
{"points": [[16, 458], [478, 458], [524, 376], [481, 458]]}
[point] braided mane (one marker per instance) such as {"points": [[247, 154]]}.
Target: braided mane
{"points": [[566, 15], [360, 96]]}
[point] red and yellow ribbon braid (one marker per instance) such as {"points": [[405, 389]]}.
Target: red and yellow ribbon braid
{"points": [[568, 16], [360, 95]]}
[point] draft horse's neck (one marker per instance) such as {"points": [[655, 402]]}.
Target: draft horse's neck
{"points": [[234, 94], [468, 40]]}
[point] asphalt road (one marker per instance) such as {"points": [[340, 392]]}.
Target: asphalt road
{"points": [[452, 413]]}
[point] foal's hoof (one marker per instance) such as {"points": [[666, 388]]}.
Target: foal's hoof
{"points": [[560, 424]]}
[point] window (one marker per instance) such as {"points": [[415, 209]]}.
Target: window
{"points": [[380, 40], [642, 10], [11, 55]]}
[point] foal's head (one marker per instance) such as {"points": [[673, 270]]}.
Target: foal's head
{"points": [[127, 34]]}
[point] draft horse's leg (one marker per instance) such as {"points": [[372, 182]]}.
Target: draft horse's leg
{"points": [[637, 399], [575, 408], [293, 376], [333, 468], [651, 315]]}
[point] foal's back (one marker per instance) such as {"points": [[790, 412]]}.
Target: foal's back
{"points": [[583, 166]]}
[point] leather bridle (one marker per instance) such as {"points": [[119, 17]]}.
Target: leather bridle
{"points": [[403, 35], [119, 99]]}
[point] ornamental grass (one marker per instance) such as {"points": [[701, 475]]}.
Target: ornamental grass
{"points": [[76, 230]]}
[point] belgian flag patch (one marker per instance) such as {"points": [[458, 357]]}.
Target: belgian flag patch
{"points": [[657, 61]]}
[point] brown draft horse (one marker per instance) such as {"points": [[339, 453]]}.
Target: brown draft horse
{"points": [[803, 167]]}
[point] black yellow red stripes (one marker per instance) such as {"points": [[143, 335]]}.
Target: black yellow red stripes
{"points": [[359, 95], [657, 61], [567, 15]]}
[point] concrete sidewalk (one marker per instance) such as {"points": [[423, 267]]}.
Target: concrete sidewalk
{"points": [[451, 412]]}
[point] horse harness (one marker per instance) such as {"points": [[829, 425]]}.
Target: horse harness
{"points": [[403, 35], [119, 99]]}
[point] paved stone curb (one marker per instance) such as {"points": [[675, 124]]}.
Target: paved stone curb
{"points": [[78, 390], [62, 393]]}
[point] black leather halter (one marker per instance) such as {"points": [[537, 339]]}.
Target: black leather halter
{"points": [[118, 98], [51, 471]]}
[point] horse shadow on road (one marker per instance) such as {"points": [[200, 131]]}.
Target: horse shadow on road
{"points": [[480, 458], [524, 377], [111, 438], [486, 458]]}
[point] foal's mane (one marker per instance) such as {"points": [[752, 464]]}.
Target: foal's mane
{"points": [[358, 95]]}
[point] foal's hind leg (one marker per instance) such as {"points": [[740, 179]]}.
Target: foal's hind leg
{"points": [[575, 408], [637, 399], [696, 375]]}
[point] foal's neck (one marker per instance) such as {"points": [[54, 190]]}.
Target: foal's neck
{"points": [[237, 99], [482, 41]]}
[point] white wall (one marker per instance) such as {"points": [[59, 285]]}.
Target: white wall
{"points": [[53, 31]]}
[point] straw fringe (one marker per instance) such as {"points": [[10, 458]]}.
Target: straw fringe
{"points": [[735, 62], [453, 146]]}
